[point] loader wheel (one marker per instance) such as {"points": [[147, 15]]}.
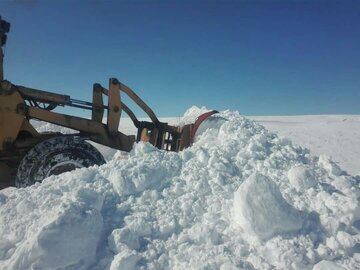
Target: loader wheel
{"points": [[55, 156]]}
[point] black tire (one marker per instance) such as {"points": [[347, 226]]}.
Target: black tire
{"points": [[55, 156]]}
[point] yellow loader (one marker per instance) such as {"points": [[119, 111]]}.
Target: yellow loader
{"points": [[27, 156]]}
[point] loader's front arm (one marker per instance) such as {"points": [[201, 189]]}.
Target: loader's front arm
{"points": [[39, 105]]}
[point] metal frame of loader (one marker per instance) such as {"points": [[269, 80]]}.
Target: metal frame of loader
{"points": [[19, 104]]}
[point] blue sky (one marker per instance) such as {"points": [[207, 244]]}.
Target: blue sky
{"points": [[257, 57]]}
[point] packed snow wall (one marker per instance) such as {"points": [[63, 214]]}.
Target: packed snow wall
{"points": [[239, 198]]}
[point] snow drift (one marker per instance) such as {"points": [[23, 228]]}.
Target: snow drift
{"points": [[239, 198]]}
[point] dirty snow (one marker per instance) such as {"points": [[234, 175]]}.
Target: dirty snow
{"points": [[240, 198]]}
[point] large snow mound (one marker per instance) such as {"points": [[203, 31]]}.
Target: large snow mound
{"points": [[239, 198]]}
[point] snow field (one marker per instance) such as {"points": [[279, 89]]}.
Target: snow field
{"points": [[239, 198], [337, 136]]}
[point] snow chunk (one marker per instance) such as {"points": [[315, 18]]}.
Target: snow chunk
{"points": [[327, 265], [261, 210], [119, 237], [126, 259], [192, 114], [301, 178], [329, 165]]}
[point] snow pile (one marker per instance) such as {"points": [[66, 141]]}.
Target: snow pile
{"points": [[240, 197], [54, 225]]}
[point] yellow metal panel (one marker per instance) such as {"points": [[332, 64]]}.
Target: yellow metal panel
{"points": [[11, 117], [114, 111], [98, 104]]}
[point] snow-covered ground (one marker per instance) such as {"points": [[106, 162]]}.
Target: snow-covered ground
{"points": [[240, 198]]}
